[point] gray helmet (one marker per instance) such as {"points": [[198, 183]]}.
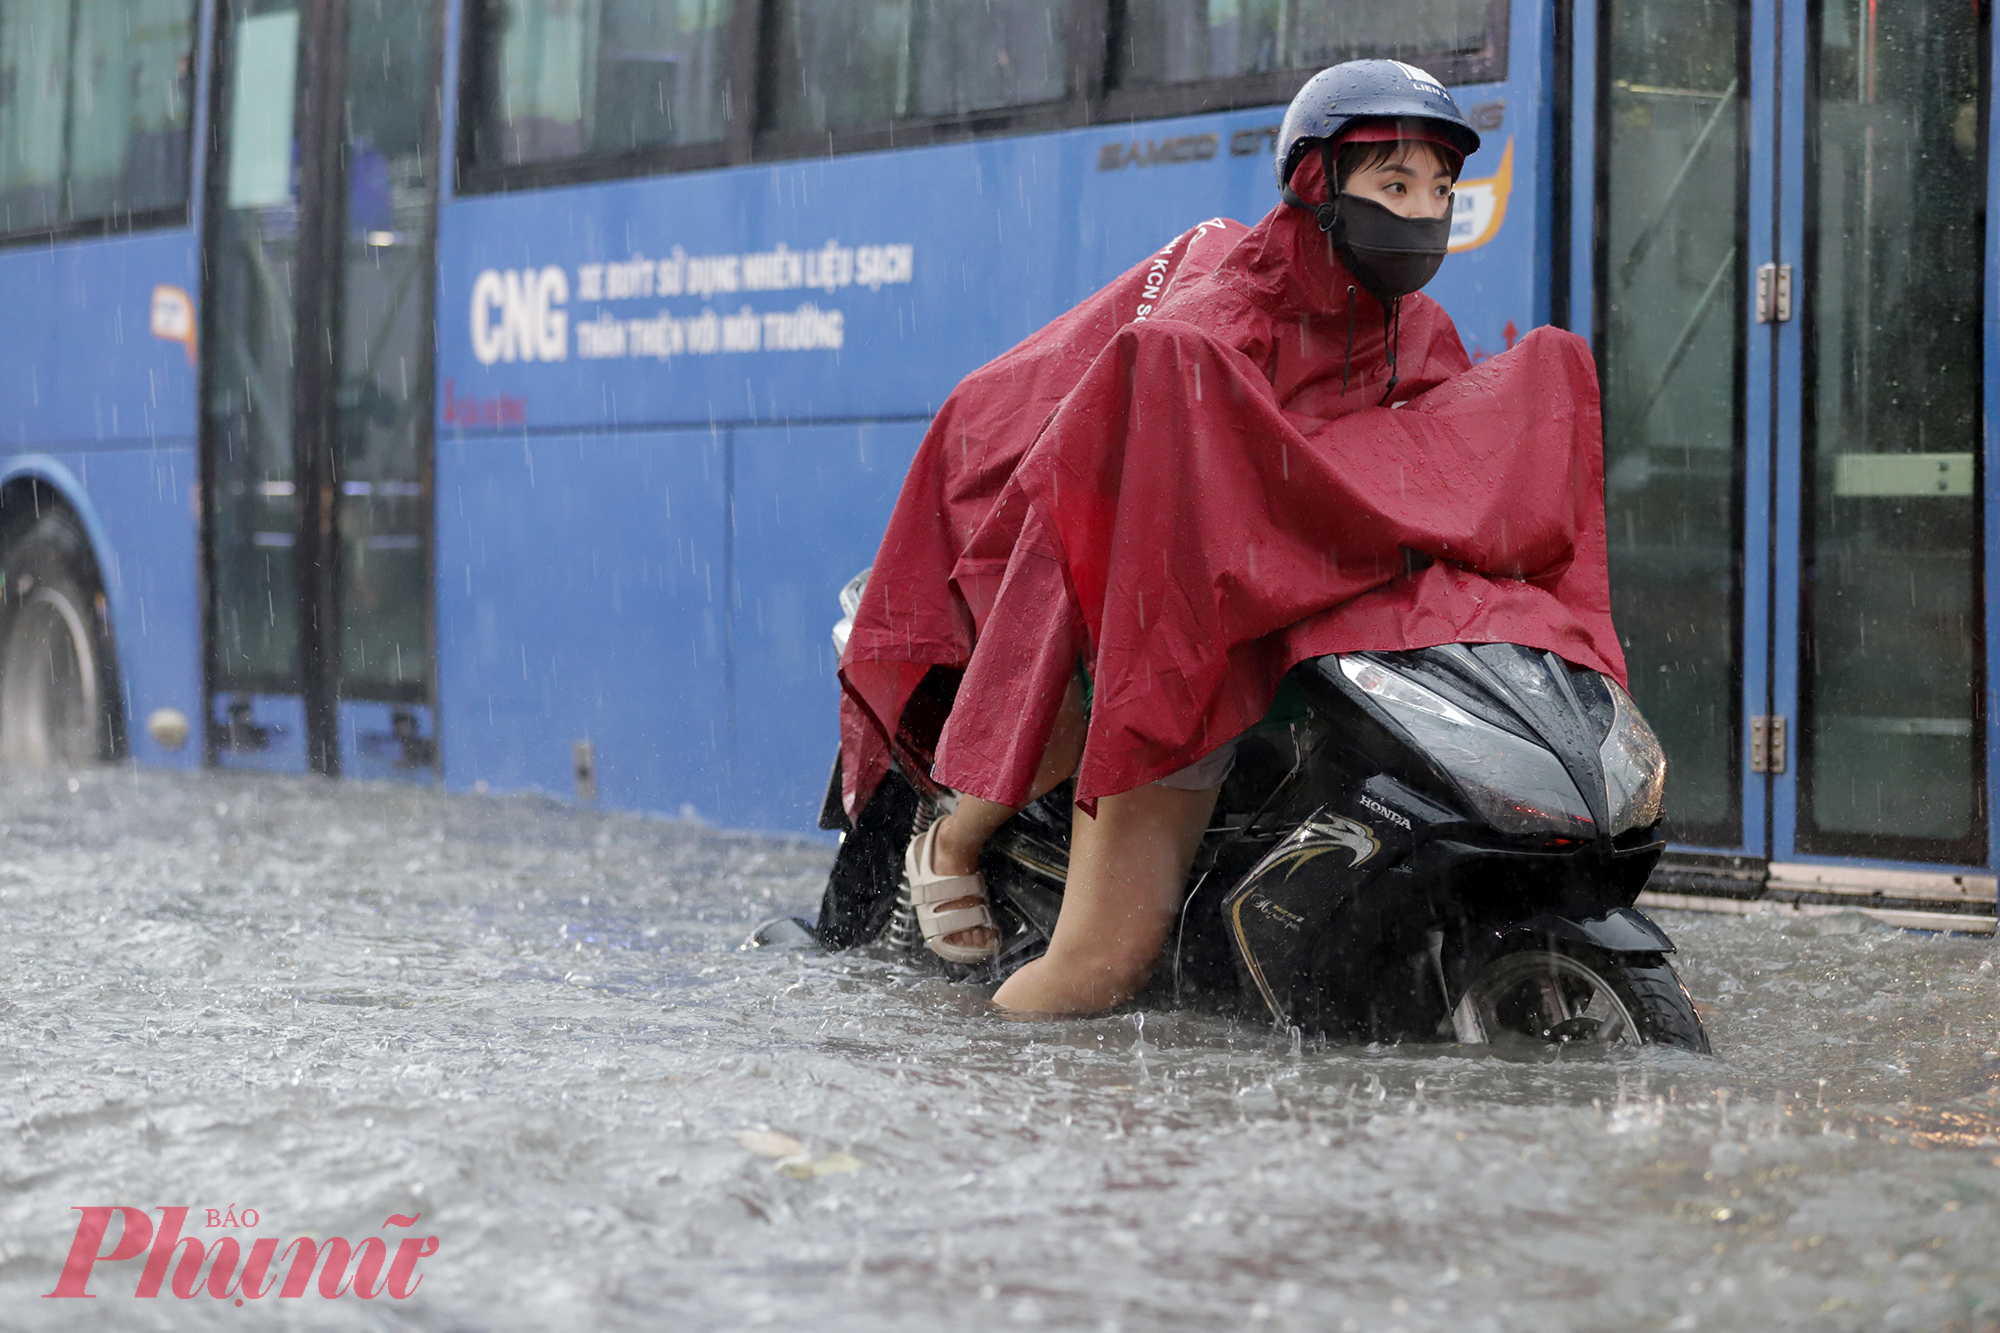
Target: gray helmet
{"points": [[1366, 89]]}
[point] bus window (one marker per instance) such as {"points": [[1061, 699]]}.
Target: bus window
{"points": [[260, 122], [1160, 42], [854, 62], [565, 79], [94, 110]]}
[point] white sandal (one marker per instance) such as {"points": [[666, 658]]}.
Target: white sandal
{"points": [[928, 889]]}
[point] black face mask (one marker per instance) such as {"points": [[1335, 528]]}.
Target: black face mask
{"points": [[1388, 254]]}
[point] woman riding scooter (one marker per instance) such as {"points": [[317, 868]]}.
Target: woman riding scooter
{"points": [[1275, 454]]}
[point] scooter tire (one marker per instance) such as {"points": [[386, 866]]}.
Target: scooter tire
{"points": [[1645, 992], [1661, 1002]]}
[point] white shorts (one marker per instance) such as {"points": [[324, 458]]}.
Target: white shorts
{"points": [[1205, 772]]}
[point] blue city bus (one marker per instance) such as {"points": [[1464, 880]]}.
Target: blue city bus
{"points": [[498, 392]]}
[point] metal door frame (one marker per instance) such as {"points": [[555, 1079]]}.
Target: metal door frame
{"points": [[318, 327], [1990, 453], [1786, 174]]}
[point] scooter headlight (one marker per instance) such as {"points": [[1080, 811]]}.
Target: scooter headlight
{"points": [[1635, 767], [1515, 785]]}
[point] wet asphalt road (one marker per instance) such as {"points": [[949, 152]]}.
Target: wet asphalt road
{"points": [[532, 1029]]}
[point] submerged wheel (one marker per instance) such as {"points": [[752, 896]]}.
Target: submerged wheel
{"points": [[57, 696], [1571, 993]]}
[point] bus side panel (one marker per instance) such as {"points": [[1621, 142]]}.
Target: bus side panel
{"points": [[85, 367], [580, 598], [97, 396], [810, 506], [145, 499]]}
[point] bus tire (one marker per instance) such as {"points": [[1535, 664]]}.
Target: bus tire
{"points": [[59, 701]]}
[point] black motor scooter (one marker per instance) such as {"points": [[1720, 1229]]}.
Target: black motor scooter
{"points": [[1414, 846]]}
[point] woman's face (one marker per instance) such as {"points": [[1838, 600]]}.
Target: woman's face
{"points": [[1414, 182]]}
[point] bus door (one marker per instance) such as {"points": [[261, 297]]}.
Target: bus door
{"points": [[1785, 289], [316, 387]]}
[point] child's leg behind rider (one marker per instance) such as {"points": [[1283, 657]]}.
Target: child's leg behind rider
{"points": [[962, 833]]}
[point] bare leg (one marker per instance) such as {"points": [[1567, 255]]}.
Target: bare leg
{"points": [[962, 833], [1127, 868]]}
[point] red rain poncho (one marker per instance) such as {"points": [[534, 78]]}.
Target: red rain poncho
{"points": [[1170, 484]]}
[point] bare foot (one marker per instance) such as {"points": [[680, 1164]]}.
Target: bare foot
{"points": [[951, 856]]}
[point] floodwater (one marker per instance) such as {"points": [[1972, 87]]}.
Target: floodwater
{"points": [[532, 1028]]}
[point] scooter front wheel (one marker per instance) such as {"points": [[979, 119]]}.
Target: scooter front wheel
{"points": [[1571, 993]]}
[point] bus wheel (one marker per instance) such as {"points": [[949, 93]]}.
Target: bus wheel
{"points": [[57, 696]]}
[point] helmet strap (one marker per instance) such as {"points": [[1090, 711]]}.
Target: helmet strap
{"points": [[1326, 214]]}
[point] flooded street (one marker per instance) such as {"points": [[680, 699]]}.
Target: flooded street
{"points": [[533, 1028]]}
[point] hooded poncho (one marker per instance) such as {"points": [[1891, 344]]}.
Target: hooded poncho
{"points": [[1189, 483]]}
